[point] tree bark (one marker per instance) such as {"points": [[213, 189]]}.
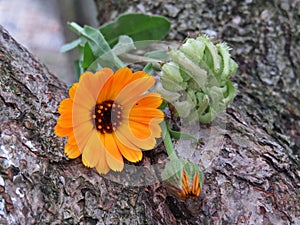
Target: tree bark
{"points": [[254, 177]]}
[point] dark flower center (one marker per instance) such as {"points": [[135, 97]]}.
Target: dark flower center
{"points": [[107, 116]]}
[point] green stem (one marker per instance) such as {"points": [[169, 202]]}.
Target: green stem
{"points": [[168, 141]]}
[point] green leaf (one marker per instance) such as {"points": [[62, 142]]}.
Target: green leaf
{"points": [[78, 69], [161, 55], [149, 69], [88, 56], [95, 38], [163, 105], [125, 44], [71, 45], [138, 26], [99, 46]]}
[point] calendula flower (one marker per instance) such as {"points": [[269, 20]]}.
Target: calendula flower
{"points": [[109, 116], [182, 179]]}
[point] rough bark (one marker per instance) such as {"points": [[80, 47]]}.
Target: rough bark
{"points": [[38, 185], [254, 177]]}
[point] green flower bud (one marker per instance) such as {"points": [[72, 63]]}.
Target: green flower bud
{"points": [[193, 49], [199, 71], [167, 95], [211, 57], [171, 71], [182, 179], [193, 70], [171, 78], [183, 108]]}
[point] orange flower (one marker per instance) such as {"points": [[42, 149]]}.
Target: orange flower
{"points": [[108, 116]]}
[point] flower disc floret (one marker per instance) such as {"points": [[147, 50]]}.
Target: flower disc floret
{"points": [[107, 116]]}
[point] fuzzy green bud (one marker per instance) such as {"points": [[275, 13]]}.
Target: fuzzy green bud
{"points": [[199, 72]]}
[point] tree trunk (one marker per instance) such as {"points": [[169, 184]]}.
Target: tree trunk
{"points": [[254, 177]]}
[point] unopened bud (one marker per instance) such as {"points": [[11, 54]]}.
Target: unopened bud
{"points": [[183, 179], [199, 70]]}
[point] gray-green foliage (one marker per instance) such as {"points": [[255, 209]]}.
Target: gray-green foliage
{"points": [[196, 79], [103, 46]]}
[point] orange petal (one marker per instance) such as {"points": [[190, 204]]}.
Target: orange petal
{"points": [[143, 130], [89, 87], [144, 120], [84, 75], [81, 115], [72, 139], [105, 90], [124, 140], [156, 129], [90, 155], [62, 131], [102, 166], [113, 156], [140, 130], [150, 100], [120, 79], [131, 154], [65, 120], [65, 106], [140, 74], [198, 190], [82, 134], [83, 97], [132, 91], [141, 112], [72, 90], [95, 82], [103, 84], [125, 131], [145, 115], [185, 183], [196, 185], [72, 151]]}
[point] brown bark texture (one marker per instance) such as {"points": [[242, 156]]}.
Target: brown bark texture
{"points": [[254, 177]]}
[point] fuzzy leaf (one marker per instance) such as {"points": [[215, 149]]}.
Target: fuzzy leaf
{"points": [[101, 50], [71, 45], [161, 55], [125, 44]]}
